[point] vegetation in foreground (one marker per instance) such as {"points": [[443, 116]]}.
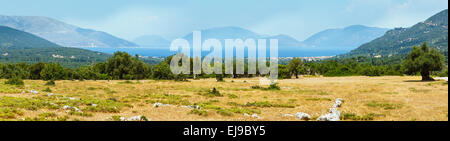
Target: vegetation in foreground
{"points": [[366, 98]]}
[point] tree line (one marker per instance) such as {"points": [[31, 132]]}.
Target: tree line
{"points": [[422, 61]]}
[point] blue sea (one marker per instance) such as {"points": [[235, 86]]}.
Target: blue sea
{"points": [[164, 52]]}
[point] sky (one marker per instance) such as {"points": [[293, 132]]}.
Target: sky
{"points": [[300, 19]]}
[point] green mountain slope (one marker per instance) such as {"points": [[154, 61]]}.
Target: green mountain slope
{"points": [[400, 41], [18, 46]]}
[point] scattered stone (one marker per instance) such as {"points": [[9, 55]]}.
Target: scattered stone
{"points": [[334, 115], [302, 116], [137, 118], [94, 105], [288, 115], [441, 78], [247, 115], [156, 105], [338, 103], [50, 94], [335, 111], [255, 116], [71, 98], [65, 107], [122, 118], [34, 92], [77, 110], [68, 109], [191, 107]]}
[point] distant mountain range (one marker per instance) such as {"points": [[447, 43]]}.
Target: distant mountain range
{"points": [[399, 41], [18, 46], [345, 39], [326, 43], [63, 34], [152, 41]]}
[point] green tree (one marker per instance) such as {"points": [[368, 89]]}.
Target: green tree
{"points": [[283, 72], [162, 71], [295, 67], [35, 70], [423, 60], [14, 70], [53, 71], [123, 66]]}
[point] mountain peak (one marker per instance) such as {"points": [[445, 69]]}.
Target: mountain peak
{"points": [[346, 39], [62, 33], [399, 41]]}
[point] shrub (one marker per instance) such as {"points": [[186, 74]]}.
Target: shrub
{"points": [[273, 86], [9, 113], [15, 81], [386, 106], [181, 78], [47, 90], [50, 83], [213, 93], [198, 112], [219, 78], [352, 116]]}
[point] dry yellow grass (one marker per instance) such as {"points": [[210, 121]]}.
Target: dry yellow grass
{"points": [[389, 98]]}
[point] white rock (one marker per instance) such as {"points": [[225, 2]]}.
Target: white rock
{"points": [[334, 115], [50, 94], [94, 105], [338, 103], [71, 98], [34, 92], [328, 117], [288, 115], [334, 111], [122, 119], [302, 116], [76, 109], [65, 107], [196, 107], [441, 78], [255, 116], [247, 115], [137, 118], [191, 106], [156, 105]]}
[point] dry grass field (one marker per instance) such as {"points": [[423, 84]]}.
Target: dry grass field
{"points": [[389, 98]]}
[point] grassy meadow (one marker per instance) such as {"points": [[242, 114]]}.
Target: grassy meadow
{"points": [[387, 98]]}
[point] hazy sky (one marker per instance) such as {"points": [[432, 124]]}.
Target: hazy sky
{"points": [[173, 18]]}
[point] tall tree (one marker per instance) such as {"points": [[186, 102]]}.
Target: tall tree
{"points": [[295, 66], [423, 60], [53, 71]]}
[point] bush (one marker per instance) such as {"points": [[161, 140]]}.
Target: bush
{"points": [[214, 92], [219, 78], [181, 78], [15, 81], [198, 112], [48, 90], [50, 83], [273, 86]]}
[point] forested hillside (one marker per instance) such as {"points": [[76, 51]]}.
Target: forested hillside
{"points": [[18, 46], [400, 41]]}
